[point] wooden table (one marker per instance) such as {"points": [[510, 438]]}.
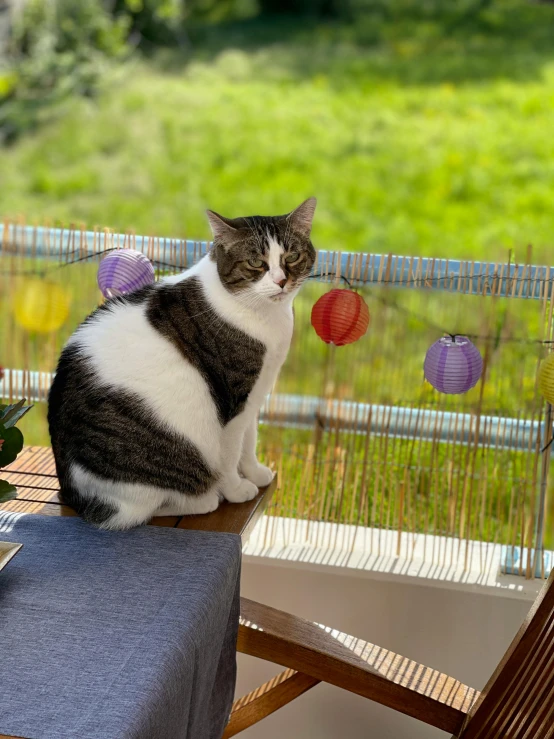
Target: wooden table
{"points": [[34, 474]]}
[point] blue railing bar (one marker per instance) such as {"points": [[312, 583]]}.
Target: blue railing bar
{"points": [[69, 244], [305, 412], [300, 411], [474, 278], [516, 560]]}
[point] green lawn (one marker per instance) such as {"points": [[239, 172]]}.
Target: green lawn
{"points": [[415, 140]]}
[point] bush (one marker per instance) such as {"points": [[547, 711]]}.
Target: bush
{"points": [[359, 9], [163, 22], [57, 48], [63, 48], [318, 8], [158, 22]]}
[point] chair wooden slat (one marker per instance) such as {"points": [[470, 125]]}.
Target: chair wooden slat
{"points": [[518, 700], [267, 699], [356, 665]]}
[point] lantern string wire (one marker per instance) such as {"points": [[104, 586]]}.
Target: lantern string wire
{"points": [[476, 337], [422, 281], [45, 272], [548, 445], [160, 265], [440, 329]]}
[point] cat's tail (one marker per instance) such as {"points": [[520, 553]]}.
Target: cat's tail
{"points": [[88, 496], [93, 511]]}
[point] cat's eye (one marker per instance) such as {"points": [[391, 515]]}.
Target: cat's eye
{"points": [[292, 257], [256, 263]]}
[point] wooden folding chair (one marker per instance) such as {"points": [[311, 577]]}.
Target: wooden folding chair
{"points": [[517, 702]]}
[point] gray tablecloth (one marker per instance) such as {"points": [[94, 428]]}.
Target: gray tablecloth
{"points": [[112, 635]]}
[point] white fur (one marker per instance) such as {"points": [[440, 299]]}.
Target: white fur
{"points": [[276, 250], [129, 354]]}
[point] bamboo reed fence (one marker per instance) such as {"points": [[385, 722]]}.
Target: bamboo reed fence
{"points": [[359, 439]]}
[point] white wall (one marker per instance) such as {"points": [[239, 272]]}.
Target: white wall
{"points": [[461, 633]]}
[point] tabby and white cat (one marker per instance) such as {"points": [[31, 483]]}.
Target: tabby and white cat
{"points": [[154, 405]]}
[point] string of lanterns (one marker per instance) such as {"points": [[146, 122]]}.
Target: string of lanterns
{"points": [[452, 365], [42, 306]]}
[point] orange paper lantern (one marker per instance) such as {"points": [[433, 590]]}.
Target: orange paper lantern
{"points": [[340, 317]]}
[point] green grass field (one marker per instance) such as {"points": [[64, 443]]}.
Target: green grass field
{"points": [[417, 139]]}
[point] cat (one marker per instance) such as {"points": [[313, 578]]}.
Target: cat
{"points": [[153, 409]]}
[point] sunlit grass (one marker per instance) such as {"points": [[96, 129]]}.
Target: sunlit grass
{"points": [[414, 144]]}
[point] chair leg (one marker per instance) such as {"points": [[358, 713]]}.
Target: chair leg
{"points": [[266, 699]]}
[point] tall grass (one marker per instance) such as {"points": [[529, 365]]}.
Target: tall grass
{"points": [[417, 137]]}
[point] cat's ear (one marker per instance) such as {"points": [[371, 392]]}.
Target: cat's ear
{"points": [[301, 218], [222, 228]]}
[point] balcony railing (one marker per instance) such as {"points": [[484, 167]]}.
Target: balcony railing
{"points": [[358, 438]]}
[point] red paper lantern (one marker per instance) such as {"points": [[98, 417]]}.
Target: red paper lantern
{"points": [[340, 317]]}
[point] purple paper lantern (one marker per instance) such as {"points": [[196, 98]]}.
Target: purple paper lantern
{"points": [[453, 365], [123, 271]]}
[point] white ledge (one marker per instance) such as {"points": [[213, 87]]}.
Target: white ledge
{"points": [[433, 561]]}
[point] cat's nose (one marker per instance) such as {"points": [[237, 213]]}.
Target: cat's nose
{"points": [[282, 283]]}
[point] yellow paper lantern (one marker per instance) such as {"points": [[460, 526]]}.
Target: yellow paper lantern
{"points": [[41, 306], [546, 378]]}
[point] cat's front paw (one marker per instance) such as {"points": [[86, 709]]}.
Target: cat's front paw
{"points": [[257, 473], [240, 493]]}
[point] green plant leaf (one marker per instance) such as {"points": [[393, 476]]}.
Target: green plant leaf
{"points": [[11, 414], [17, 416], [12, 439], [7, 410], [7, 491]]}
